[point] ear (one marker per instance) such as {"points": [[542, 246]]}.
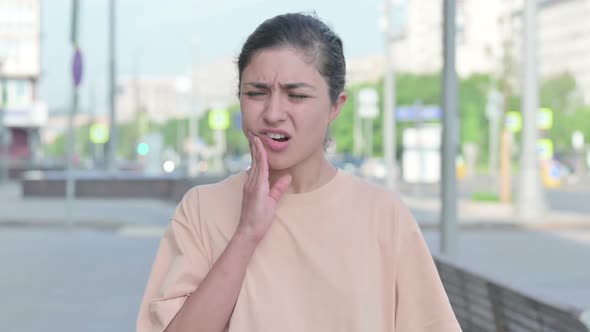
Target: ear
{"points": [[337, 107]]}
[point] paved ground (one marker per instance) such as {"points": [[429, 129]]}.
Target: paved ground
{"points": [[93, 213], [90, 277], [59, 280], [87, 280]]}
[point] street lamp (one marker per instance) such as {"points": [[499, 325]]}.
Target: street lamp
{"points": [[531, 203], [3, 136], [111, 155], [449, 227], [389, 145]]}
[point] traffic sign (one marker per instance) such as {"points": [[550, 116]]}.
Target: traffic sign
{"points": [[99, 133], [143, 149], [545, 149], [578, 140], [77, 67], [367, 103], [418, 113], [219, 119], [545, 118], [513, 121]]}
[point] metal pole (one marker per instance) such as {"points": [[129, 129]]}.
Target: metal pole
{"points": [[193, 156], [70, 181], [357, 133], [4, 154], [193, 134], [389, 145], [531, 201], [448, 222], [112, 143], [493, 146], [494, 109], [369, 138]]}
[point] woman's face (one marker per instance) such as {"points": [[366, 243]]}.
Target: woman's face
{"points": [[285, 101]]}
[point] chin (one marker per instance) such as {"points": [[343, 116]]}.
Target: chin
{"points": [[279, 164]]}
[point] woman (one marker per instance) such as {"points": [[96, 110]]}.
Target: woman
{"points": [[293, 244]]}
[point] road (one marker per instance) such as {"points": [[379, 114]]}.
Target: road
{"points": [[87, 280], [59, 280]]}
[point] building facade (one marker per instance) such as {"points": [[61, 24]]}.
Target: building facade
{"points": [[161, 98], [564, 41], [20, 61]]}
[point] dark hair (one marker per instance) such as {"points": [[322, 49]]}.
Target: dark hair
{"points": [[305, 33]]}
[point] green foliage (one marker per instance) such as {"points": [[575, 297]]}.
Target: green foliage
{"points": [[472, 103], [557, 92], [235, 139], [485, 196], [424, 88], [565, 124], [412, 89]]}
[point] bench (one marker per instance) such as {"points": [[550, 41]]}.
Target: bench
{"points": [[484, 305]]}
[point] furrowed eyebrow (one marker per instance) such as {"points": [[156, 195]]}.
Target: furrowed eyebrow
{"points": [[290, 86], [258, 85], [287, 86]]}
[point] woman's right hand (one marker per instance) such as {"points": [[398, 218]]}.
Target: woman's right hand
{"points": [[259, 202]]}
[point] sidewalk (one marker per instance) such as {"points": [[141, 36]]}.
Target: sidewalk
{"points": [[492, 214], [86, 213], [137, 213]]}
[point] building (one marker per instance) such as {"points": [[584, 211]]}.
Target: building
{"points": [[24, 114], [162, 98], [364, 69], [564, 41], [418, 26], [487, 31], [216, 83]]}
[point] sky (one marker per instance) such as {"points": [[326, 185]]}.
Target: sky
{"points": [[156, 37]]}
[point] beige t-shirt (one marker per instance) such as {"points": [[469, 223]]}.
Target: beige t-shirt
{"points": [[347, 256]]}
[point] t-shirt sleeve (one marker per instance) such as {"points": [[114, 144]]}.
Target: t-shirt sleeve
{"points": [[180, 265], [422, 304]]}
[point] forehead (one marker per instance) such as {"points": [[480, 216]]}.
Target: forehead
{"points": [[282, 65]]}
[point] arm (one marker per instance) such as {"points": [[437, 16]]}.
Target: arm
{"points": [[210, 307], [421, 301]]}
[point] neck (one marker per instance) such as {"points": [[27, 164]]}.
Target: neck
{"points": [[307, 175]]}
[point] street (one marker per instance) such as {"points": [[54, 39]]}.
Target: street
{"points": [[55, 279], [91, 276], [60, 280]]}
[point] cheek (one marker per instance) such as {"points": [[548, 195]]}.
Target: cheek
{"points": [[247, 116], [315, 127]]}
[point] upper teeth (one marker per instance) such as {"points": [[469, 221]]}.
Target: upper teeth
{"points": [[275, 135]]}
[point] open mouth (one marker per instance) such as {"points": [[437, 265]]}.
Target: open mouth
{"points": [[278, 137]]}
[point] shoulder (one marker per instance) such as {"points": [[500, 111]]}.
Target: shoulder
{"points": [[211, 196], [225, 188], [364, 191], [383, 206]]}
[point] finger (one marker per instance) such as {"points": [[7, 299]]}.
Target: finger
{"points": [[253, 149], [252, 159], [262, 163], [280, 187], [257, 154]]}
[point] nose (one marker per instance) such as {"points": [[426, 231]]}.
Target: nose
{"points": [[275, 110]]}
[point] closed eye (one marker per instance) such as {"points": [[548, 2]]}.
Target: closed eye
{"points": [[298, 96], [254, 93]]}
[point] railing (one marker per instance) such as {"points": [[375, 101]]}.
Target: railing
{"points": [[484, 305]]}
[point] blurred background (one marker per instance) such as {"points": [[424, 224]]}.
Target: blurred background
{"points": [[111, 110]]}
